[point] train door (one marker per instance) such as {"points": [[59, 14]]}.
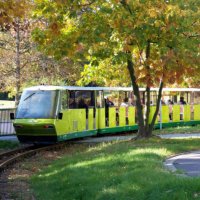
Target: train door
{"points": [[63, 125], [85, 102]]}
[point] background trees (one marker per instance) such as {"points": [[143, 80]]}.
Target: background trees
{"points": [[21, 64], [14, 19]]}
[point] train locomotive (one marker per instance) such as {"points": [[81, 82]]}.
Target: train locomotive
{"points": [[51, 114]]}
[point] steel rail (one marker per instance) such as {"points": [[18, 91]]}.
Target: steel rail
{"points": [[27, 152], [14, 151]]}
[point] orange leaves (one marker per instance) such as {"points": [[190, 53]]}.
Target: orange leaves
{"points": [[12, 10], [190, 71]]}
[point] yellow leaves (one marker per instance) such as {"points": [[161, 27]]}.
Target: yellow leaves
{"points": [[115, 1], [157, 23], [152, 13], [126, 48]]}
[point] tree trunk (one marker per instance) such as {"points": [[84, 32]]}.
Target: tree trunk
{"points": [[147, 92], [18, 84], [141, 128], [157, 109], [144, 127], [147, 111]]}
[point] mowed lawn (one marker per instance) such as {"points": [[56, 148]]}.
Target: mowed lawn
{"points": [[178, 130], [119, 170], [4, 144]]}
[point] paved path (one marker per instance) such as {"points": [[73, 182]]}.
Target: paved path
{"points": [[110, 138], [189, 163], [11, 138]]}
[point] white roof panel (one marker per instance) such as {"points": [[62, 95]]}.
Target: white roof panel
{"points": [[51, 87]]}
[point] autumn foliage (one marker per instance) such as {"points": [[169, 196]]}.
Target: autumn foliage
{"points": [[121, 42]]}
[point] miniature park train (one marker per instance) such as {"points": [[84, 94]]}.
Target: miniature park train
{"points": [[50, 114]]}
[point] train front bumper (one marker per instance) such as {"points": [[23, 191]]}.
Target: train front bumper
{"points": [[35, 130]]}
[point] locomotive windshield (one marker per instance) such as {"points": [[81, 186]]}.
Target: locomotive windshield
{"points": [[37, 105]]}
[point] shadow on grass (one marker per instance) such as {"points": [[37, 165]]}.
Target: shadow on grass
{"points": [[118, 171]]}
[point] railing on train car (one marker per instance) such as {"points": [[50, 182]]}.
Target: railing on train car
{"points": [[169, 114], [6, 124]]}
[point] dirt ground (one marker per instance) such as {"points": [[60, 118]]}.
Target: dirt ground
{"points": [[15, 181]]}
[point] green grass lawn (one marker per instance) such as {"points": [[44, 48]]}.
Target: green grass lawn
{"points": [[8, 144], [118, 171], [179, 129]]}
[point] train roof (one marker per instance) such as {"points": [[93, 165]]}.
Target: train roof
{"points": [[51, 87]]}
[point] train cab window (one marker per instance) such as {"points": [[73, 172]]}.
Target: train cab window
{"points": [[38, 104], [64, 102]]}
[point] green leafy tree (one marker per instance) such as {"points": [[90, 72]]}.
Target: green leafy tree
{"points": [[148, 42]]}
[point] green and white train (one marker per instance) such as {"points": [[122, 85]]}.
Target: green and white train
{"points": [[50, 114]]}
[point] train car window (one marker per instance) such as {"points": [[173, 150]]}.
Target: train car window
{"points": [[196, 97], [111, 97], [188, 97], [99, 99], [72, 103], [85, 99], [124, 97], [175, 99], [153, 97], [81, 99], [121, 97], [64, 100], [168, 98]]}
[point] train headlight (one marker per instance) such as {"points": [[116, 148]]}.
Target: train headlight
{"points": [[18, 126], [49, 126]]}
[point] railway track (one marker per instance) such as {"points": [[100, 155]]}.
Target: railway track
{"points": [[13, 156]]}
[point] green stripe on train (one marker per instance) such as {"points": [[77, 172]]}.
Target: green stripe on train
{"points": [[76, 135]]}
